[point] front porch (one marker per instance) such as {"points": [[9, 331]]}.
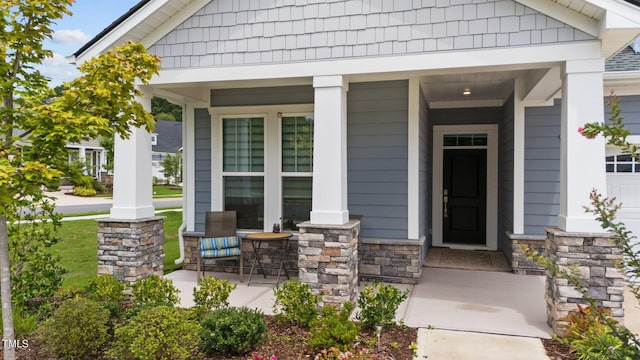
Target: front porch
{"points": [[446, 299]]}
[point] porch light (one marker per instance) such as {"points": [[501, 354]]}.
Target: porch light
{"points": [[466, 91]]}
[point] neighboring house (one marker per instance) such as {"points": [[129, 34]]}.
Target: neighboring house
{"points": [[165, 139], [623, 172], [93, 154], [443, 123]]}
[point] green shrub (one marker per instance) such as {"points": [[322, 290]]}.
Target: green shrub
{"points": [[232, 330], [160, 332], [36, 273], [212, 294], [334, 329], [600, 344], [83, 191], [108, 292], [24, 322], [76, 330], [378, 304], [154, 290], [295, 303]]}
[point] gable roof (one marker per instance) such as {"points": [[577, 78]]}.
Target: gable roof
{"points": [[616, 22], [626, 60], [169, 136]]}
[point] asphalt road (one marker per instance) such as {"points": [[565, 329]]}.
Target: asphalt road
{"points": [[85, 208]]}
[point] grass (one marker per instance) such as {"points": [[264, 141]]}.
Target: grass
{"points": [[160, 191], [78, 248]]}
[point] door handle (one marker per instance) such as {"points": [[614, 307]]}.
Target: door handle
{"points": [[445, 201]]}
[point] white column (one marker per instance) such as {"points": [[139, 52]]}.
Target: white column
{"points": [[329, 205], [582, 164], [82, 157], [132, 192], [413, 157]]}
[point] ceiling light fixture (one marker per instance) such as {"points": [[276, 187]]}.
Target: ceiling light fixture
{"points": [[466, 91]]}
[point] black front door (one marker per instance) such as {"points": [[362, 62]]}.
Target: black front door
{"points": [[464, 196]]}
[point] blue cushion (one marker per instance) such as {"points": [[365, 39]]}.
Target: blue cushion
{"points": [[220, 253], [219, 246]]}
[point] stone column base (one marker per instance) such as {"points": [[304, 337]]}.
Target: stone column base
{"points": [[596, 257], [130, 249], [328, 260]]}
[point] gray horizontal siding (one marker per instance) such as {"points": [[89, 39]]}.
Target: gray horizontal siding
{"points": [[541, 168], [630, 106], [490, 115], [377, 157], [302, 94], [233, 32], [202, 156]]}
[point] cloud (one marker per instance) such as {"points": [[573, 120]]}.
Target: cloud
{"points": [[58, 69], [70, 37]]}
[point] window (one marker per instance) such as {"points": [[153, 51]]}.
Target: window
{"points": [[297, 167], [243, 169], [623, 163], [154, 139], [465, 140]]}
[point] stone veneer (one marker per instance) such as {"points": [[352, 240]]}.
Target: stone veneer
{"points": [[130, 249], [270, 256], [596, 257], [520, 262], [394, 260], [328, 260]]}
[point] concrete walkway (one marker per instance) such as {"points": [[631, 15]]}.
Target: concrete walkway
{"points": [[460, 314]]}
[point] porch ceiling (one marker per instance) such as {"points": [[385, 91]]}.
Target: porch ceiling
{"points": [[487, 88]]}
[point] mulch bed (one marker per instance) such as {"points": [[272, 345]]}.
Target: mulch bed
{"points": [[557, 351], [287, 343]]}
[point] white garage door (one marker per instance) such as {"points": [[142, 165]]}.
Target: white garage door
{"points": [[623, 183]]}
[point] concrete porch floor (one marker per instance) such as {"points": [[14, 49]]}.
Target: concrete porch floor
{"points": [[461, 314], [479, 301]]}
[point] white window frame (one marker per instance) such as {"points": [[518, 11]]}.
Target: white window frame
{"points": [[283, 174], [272, 172]]}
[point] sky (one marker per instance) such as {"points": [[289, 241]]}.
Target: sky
{"points": [[72, 32]]}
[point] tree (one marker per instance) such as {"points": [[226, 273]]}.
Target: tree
{"points": [[171, 165], [164, 110], [99, 103]]}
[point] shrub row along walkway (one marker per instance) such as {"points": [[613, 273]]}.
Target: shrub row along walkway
{"points": [[468, 309]]}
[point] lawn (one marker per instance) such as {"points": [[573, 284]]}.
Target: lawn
{"points": [[160, 191], [78, 248]]}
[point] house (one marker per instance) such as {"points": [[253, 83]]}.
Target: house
{"points": [[165, 139], [442, 122], [93, 154]]}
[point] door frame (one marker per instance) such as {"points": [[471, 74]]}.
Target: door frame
{"points": [[492, 182]]}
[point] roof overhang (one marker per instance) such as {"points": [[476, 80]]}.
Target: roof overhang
{"points": [[615, 22]]}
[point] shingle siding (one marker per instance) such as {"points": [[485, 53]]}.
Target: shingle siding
{"points": [[232, 32]]}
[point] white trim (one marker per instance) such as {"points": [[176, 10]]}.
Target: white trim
{"points": [[462, 104], [511, 58], [135, 20], [518, 156], [188, 171], [413, 165], [565, 15], [492, 182], [272, 172]]}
